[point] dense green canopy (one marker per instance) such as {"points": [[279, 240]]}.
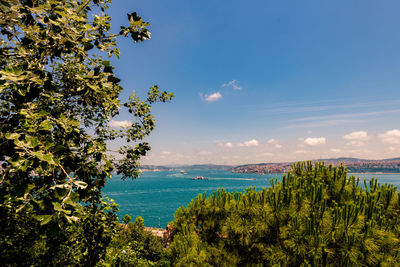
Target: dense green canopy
{"points": [[315, 216], [57, 95], [58, 92]]}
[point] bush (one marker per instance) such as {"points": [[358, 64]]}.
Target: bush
{"points": [[315, 216], [58, 95], [126, 219], [133, 245]]}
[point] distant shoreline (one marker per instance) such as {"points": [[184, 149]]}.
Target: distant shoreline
{"points": [[275, 173], [373, 172]]}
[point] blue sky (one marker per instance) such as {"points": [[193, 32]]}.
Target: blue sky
{"points": [[267, 81]]}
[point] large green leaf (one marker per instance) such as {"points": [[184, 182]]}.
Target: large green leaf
{"points": [[43, 219], [12, 136]]}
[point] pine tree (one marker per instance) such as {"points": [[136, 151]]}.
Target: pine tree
{"points": [[315, 215]]}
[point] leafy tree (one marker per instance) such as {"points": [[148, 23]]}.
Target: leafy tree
{"points": [[57, 95], [135, 246], [139, 222], [126, 219], [315, 216]]}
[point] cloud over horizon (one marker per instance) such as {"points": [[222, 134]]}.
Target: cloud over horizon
{"points": [[213, 97], [357, 143], [119, 124], [315, 141], [385, 145], [227, 144], [360, 135], [391, 137], [233, 84], [252, 142]]}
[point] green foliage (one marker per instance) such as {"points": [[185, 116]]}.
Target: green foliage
{"points": [[315, 216], [57, 95], [139, 222], [133, 245], [126, 219]]}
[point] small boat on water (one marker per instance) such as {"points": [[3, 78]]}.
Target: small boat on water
{"points": [[200, 178], [182, 172]]}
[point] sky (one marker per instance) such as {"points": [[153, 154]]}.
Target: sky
{"points": [[265, 81]]}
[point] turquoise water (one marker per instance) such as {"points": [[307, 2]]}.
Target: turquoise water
{"points": [[157, 195]]}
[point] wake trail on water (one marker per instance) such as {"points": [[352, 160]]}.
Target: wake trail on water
{"points": [[234, 179]]}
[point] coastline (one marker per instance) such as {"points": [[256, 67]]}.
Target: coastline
{"points": [[353, 173]]}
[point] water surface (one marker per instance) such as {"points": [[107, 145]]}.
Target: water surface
{"points": [[156, 195]]}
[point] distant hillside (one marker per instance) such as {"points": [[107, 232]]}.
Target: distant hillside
{"points": [[354, 165], [344, 159], [393, 159], [186, 167], [206, 167], [154, 168]]}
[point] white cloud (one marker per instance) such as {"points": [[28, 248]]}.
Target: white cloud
{"points": [[232, 84], [249, 143], [324, 123], [391, 137], [205, 153], [166, 155], [273, 141], [213, 97], [178, 155], [360, 135], [301, 152], [355, 143], [268, 154], [335, 150], [118, 124], [227, 144], [315, 141], [348, 115], [359, 152]]}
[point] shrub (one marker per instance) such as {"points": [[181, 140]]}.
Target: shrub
{"points": [[133, 245], [316, 215], [58, 96], [126, 219]]}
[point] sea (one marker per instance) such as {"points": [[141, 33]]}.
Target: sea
{"points": [[156, 196]]}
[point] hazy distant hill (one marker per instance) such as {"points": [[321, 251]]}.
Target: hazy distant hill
{"points": [[344, 159], [186, 167], [393, 159], [204, 167], [154, 168], [354, 165]]}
